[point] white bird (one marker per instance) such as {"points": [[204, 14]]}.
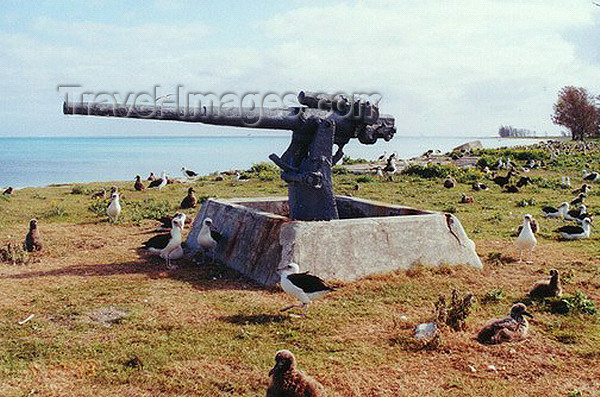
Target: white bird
{"points": [[114, 207], [173, 250], [565, 182], [551, 212], [189, 173], [302, 286], [207, 238], [526, 239], [160, 182], [576, 232]]}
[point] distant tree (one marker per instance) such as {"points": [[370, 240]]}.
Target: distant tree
{"points": [[506, 131], [577, 110]]}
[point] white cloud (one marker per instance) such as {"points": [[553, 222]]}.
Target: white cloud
{"points": [[461, 67]]}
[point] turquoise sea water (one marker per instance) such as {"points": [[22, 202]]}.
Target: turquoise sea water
{"points": [[42, 161]]}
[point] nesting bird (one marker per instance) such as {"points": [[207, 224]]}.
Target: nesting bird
{"points": [[510, 329], [547, 288], [287, 381], [477, 186], [151, 177], [99, 195], [576, 232], [189, 173], [464, 199], [302, 286], [524, 181], [114, 207], [503, 180], [189, 201], [551, 212], [526, 239], [160, 182], [450, 182], [591, 176], [578, 200], [138, 185], [565, 182], [511, 189], [583, 189], [32, 239], [573, 215], [8, 191]]}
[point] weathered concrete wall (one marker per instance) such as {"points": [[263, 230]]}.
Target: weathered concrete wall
{"points": [[390, 237]]}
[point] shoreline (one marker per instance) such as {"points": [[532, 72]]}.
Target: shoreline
{"points": [[373, 159]]}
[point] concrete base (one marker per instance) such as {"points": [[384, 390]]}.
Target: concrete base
{"points": [[370, 237]]}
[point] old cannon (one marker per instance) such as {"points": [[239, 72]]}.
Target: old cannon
{"points": [[322, 122], [359, 236]]}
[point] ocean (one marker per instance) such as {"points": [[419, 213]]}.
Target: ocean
{"points": [[26, 162]]}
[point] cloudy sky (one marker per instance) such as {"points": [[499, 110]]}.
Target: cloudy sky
{"points": [[453, 68]]}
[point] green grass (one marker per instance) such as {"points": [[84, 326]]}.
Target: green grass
{"points": [[207, 331]]}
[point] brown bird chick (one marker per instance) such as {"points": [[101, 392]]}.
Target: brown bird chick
{"points": [[511, 189], [510, 329], [190, 200], [450, 182], [32, 239], [547, 288], [533, 224], [99, 195], [287, 381], [138, 185], [466, 199], [8, 191]]}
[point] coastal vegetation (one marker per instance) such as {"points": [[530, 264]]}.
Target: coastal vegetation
{"points": [[205, 330]]}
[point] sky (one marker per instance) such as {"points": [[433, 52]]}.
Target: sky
{"points": [[455, 68]]}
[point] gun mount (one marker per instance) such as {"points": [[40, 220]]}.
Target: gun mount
{"points": [[306, 165]]}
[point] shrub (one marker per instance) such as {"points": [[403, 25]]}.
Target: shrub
{"points": [[14, 254], [339, 170], [147, 209], [455, 314], [493, 296], [264, 166], [348, 160], [571, 304], [78, 189], [365, 179], [54, 212]]}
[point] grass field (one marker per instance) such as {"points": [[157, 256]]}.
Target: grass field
{"points": [[207, 331]]}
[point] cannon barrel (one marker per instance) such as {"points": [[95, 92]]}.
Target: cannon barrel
{"points": [[272, 118]]}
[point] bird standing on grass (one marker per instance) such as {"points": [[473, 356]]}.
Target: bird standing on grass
{"points": [[302, 286], [138, 185], [189, 201], [151, 177], [526, 239], [547, 288], [173, 249], [114, 207], [578, 200], [287, 381], [32, 239], [208, 239], [510, 329]]}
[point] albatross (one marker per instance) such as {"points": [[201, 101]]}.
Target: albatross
{"points": [[512, 328], [189, 173], [114, 207], [576, 232], [208, 239], [551, 212], [526, 239], [173, 249], [160, 182], [302, 286]]}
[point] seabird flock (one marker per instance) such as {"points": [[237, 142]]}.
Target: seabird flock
{"points": [[286, 380]]}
